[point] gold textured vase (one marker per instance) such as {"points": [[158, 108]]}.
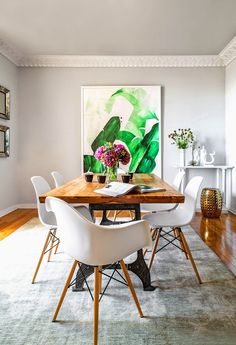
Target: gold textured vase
{"points": [[211, 202]]}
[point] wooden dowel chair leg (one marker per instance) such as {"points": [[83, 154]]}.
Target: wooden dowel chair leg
{"points": [[115, 216], [64, 291], [154, 248], [153, 231], [100, 279], [177, 231], [131, 214], [41, 256], [96, 305], [130, 285], [51, 245], [57, 246], [145, 251], [190, 255]]}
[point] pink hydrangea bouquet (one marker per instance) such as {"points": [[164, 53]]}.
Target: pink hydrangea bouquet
{"points": [[110, 155]]}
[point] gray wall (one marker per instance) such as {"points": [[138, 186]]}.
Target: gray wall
{"points": [[50, 114], [230, 119], [8, 166]]}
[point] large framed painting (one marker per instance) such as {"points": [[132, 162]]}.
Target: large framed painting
{"points": [[122, 114]]}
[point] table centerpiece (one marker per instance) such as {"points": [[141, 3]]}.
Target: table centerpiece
{"points": [[110, 155]]}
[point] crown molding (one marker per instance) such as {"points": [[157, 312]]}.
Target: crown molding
{"points": [[227, 55], [121, 61], [10, 52]]}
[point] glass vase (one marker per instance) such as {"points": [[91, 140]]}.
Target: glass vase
{"points": [[112, 173]]}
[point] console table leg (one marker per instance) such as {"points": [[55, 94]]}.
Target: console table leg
{"points": [[223, 186], [228, 191]]}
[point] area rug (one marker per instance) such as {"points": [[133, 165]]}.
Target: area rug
{"points": [[179, 311]]}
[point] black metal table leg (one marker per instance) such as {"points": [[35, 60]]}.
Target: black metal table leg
{"points": [[84, 271], [138, 267]]}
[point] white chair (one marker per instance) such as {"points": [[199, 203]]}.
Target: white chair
{"points": [[58, 179], [176, 184], [182, 215], [47, 219], [96, 245]]}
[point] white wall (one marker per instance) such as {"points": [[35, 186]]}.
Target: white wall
{"points": [[8, 165], [230, 120], [50, 114]]}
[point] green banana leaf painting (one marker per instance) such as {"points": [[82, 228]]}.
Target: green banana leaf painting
{"points": [[130, 115]]}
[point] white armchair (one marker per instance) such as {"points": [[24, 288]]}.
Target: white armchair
{"points": [[97, 246], [47, 219], [182, 215]]}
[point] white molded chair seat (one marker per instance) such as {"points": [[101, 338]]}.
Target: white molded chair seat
{"points": [[96, 245], [182, 215], [165, 207]]}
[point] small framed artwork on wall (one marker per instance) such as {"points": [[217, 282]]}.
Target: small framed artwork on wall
{"points": [[129, 115], [4, 103], [4, 141]]}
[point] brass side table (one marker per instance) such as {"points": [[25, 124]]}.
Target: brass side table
{"points": [[211, 202]]}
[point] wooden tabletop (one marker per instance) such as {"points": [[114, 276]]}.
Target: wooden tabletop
{"points": [[80, 191]]}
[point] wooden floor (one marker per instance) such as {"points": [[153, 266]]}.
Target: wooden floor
{"points": [[12, 221], [219, 234]]}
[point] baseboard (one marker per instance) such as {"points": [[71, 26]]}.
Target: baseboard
{"points": [[15, 207], [26, 206], [232, 210], [8, 210]]}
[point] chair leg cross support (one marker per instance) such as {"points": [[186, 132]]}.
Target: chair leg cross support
{"points": [[51, 242], [179, 236], [97, 289]]}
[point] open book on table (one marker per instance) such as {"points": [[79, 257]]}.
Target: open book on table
{"points": [[120, 188]]}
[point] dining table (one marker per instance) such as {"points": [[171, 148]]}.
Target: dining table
{"points": [[78, 191]]}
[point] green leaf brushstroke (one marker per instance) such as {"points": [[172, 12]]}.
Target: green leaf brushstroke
{"points": [[142, 147], [148, 164], [92, 164], [139, 116], [108, 134]]}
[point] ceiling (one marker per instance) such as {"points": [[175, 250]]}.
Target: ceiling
{"points": [[118, 27]]}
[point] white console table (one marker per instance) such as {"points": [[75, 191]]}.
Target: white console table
{"points": [[223, 179]]}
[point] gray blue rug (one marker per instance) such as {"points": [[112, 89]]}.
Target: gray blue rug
{"points": [[178, 312]]}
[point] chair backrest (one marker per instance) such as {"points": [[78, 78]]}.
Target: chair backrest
{"points": [[191, 191], [178, 180], [40, 187], [58, 178], [94, 244]]}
